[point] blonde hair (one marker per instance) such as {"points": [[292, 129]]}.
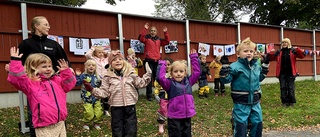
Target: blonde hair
{"points": [[246, 42], [178, 63], [33, 61], [90, 61], [130, 51], [288, 41], [98, 48], [36, 21], [202, 56]]}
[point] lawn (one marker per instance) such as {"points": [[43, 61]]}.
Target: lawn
{"points": [[212, 119]]}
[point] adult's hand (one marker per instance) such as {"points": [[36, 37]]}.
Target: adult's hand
{"points": [[146, 25], [165, 29], [14, 52]]}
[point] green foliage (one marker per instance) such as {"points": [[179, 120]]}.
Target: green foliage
{"points": [[73, 3], [212, 119]]}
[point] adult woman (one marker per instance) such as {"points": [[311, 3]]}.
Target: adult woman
{"points": [[286, 70], [39, 43]]}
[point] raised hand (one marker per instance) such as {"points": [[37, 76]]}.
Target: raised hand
{"points": [[78, 71], [14, 52], [165, 29], [146, 25], [62, 64], [193, 51], [148, 69], [6, 67]]}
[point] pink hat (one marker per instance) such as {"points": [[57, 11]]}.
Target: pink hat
{"points": [[114, 54]]}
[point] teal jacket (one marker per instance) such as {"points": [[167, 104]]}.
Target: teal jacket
{"points": [[245, 78]]}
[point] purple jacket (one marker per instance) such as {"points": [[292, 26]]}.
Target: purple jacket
{"points": [[47, 97], [181, 102]]}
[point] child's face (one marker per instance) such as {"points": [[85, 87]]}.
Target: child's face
{"points": [[91, 68], [99, 53], [178, 73], [117, 63], [168, 64], [133, 55], [246, 52], [203, 60], [45, 69]]}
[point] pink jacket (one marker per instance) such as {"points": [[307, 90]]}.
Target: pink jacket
{"points": [[47, 97], [101, 63]]}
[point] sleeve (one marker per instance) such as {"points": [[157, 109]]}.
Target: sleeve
{"points": [[142, 36], [161, 75], [166, 39], [233, 73], [208, 70], [139, 62], [273, 55], [17, 76], [23, 49], [212, 65], [141, 82], [103, 90], [61, 54], [79, 79], [196, 71], [262, 76], [68, 80], [89, 53], [299, 53]]}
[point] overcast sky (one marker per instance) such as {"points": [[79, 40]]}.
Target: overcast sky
{"points": [[139, 7]]}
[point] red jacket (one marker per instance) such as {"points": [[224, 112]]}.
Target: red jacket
{"points": [[152, 44], [294, 53]]}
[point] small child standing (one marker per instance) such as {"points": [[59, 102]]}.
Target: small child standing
{"points": [[100, 56], [245, 76], [218, 85], [119, 84], [203, 82], [46, 91], [92, 105], [162, 97], [133, 60], [179, 88]]}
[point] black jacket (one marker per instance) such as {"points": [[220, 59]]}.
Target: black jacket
{"points": [[37, 44]]}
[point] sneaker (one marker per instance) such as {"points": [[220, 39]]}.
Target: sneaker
{"points": [[201, 96], [107, 113], [206, 95], [86, 127], [97, 127], [216, 94], [222, 94]]}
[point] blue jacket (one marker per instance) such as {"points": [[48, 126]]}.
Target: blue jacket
{"points": [[181, 102], [86, 95], [245, 78]]}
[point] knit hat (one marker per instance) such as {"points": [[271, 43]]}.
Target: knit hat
{"points": [[114, 54]]}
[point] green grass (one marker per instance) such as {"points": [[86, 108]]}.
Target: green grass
{"points": [[212, 119]]}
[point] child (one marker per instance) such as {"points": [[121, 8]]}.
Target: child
{"points": [[46, 91], [100, 56], [203, 82], [133, 60], [119, 84], [162, 97], [245, 76], [179, 88], [218, 85], [92, 106]]}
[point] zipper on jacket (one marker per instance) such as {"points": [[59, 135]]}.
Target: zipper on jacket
{"points": [[184, 95], [55, 99], [39, 112]]}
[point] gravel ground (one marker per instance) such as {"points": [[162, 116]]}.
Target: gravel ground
{"points": [[310, 131]]}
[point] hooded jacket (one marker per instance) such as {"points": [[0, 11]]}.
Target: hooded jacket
{"points": [[121, 90], [47, 97], [181, 102]]}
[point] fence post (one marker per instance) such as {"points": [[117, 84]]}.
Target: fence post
{"points": [[24, 31], [120, 33], [314, 56], [188, 45]]}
